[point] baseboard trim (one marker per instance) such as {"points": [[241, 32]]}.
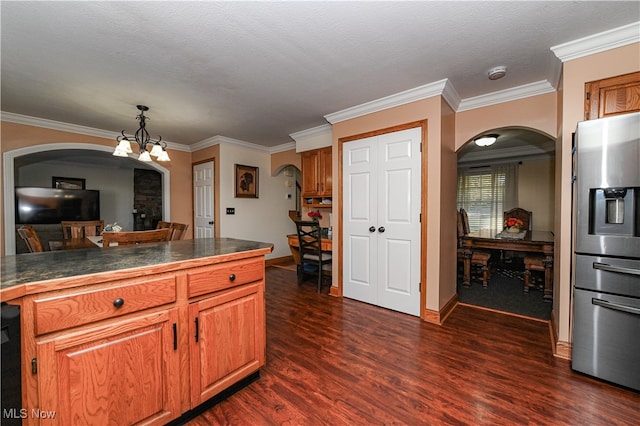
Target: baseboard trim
{"points": [[561, 349], [439, 317], [279, 261], [503, 312]]}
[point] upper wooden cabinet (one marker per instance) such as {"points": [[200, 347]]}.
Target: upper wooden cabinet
{"points": [[316, 177], [612, 96]]}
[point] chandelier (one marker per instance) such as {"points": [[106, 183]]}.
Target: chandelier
{"points": [[143, 139]]}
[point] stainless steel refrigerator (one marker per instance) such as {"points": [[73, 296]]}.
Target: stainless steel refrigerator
{"points": [[606, 269]]}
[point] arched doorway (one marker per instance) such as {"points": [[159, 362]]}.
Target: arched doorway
{"points": [[80, 153], [517, 171]]}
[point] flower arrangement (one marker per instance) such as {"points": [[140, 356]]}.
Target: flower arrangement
{"points": [[315, 215], [513, 224]]}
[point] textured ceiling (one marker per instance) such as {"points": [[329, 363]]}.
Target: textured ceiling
{"points": [[259, 71]]}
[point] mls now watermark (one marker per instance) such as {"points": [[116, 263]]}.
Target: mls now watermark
{"points": [[23, 413]]}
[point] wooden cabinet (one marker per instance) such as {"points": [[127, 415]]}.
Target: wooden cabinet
{"points": [[227, 340], [122, 373], [316, 177], [143, 346], [612, 96]]}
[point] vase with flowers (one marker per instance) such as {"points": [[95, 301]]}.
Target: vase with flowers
{"points": [[315, 216], [513, 225]]}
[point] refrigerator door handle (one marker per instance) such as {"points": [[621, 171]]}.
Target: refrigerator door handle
{"points": [[615, 306], [619, 269]]}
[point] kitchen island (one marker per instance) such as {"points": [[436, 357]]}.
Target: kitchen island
{"points": [[132, 334]]}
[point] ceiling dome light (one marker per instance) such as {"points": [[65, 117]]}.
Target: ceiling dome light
{"points": [[497, 72], [486, 140]]}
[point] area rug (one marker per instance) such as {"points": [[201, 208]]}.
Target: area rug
{"points": [[505, 293]]}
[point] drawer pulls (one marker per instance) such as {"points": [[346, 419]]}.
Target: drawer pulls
{"points": [[232, 277], [613, 268], [118, 302]]}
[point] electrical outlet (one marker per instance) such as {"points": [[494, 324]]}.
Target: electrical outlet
{"points": [[231, 210]]}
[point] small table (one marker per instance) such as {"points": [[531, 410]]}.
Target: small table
{"points": [[533, 242]]}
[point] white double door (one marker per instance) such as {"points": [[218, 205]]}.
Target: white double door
{"points": [[381, 220]]}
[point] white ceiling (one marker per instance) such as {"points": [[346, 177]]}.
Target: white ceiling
{"points": [[259, 71]]}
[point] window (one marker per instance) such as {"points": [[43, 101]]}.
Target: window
{"points": [[485, 193]]}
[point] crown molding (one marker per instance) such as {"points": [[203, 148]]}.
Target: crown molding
{"points": [[520, 92], [218, 139], [451, 96], [314, 131], [402, 98], [73, 128], [597, 43]]}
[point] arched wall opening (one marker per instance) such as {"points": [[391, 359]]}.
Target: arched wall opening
{"points": [[9, 173]]}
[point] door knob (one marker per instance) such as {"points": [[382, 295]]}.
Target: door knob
{"points": [[210, 223], [372, 229], [381, 229]]}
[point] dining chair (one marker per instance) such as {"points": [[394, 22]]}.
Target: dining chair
{"points": [[30, 237], [480, 259], [177, 229], [81, 229], [519, 213], [136, 237], [313, 260]]}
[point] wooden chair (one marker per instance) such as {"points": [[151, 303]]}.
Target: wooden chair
{"points": [[518, 213], [312, 259], [136, 237], [480, 259], [81, 229], [177, 229], [30, 237]]}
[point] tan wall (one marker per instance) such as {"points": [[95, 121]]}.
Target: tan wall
{"points": [[576, 73], [283, 159], [16, 136], [536, 192], [448, 220], [535, 112]]}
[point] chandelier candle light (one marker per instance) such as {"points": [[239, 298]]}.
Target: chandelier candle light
{"points": [[143, 139]]}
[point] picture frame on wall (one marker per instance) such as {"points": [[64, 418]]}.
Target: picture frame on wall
{"points": [[246, 181], [67, 183]]}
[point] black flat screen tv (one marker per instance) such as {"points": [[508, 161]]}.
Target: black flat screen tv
{"points": [[48, 205]]}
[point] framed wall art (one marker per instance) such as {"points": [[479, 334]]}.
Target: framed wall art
{"points": [[67, 183], [246, 181]]}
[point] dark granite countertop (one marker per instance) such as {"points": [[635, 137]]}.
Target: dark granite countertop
{"points": [[51, 265]]}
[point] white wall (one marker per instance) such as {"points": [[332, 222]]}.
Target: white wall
{"points": [[265, 218], [115, 186]]}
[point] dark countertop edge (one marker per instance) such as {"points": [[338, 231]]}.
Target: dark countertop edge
{"points": [[20, 290]]}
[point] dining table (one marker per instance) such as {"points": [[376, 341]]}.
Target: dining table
{"points": [[541, 242], [88, 242]]}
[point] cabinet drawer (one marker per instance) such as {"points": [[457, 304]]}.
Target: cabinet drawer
{"points": [[225, 275], [83, 307]]}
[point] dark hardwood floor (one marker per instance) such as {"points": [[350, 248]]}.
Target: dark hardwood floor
{"points": [[341, 362]]}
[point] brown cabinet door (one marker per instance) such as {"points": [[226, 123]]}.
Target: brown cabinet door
{"points": [[227, 339], [310, 173], [612, 96], [325, 172], [126, 372]]}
